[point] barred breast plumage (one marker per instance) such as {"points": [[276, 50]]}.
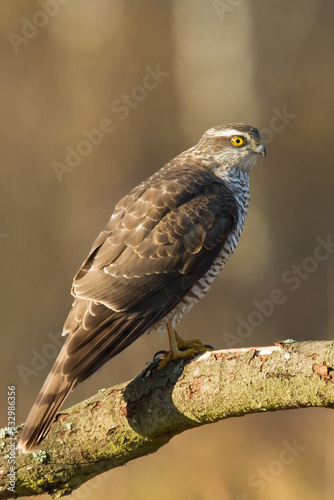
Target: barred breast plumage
{"points": [[238, 183]]}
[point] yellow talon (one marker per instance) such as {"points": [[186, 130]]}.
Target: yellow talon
{"points": [[181, 348], [186, 344]]}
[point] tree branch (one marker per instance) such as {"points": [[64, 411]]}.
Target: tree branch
{"points": [[138, 417]]}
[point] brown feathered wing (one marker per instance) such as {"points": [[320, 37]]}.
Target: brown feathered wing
{"points": [[162, 238]]}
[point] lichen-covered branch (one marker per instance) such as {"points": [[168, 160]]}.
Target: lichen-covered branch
{"points": [[138, 417]]}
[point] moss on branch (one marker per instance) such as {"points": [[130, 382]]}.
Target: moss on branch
{"points": [[138, 417]]}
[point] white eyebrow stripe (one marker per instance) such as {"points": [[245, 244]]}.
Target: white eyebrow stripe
{"points": [[226, 133]]}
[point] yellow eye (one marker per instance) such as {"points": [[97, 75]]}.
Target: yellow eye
{"points": [[237, 141]]}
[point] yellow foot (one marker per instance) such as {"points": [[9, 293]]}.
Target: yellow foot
{"points": [[187, 353], [189, 344], [180, 348]]}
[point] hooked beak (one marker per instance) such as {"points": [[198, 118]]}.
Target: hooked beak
{"points": [[260, 149]]}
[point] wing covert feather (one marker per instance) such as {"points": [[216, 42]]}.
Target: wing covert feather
{"points": [[162, 238]]}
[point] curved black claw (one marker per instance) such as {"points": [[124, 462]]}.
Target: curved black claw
{"points": [[156, 358], [199, 350]]}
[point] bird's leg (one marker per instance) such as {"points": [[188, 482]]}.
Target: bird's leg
{"points": [[180, 348], [186, 344]]}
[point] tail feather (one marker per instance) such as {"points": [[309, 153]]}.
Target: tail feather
{"points": [[54, 391], [95, 340]]}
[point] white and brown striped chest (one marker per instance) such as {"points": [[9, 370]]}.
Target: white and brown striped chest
{"points": [[239, 184]]}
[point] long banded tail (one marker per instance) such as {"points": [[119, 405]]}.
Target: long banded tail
{"points": [[98, 338], [54, 391]]}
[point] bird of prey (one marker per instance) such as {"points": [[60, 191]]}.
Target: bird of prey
{"points": [[158, 255]]}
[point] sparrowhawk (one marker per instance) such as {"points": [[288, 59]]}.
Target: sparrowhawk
{"points": [[158, 255]]}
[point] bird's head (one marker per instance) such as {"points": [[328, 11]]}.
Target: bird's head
{"points": [[233, 145]]}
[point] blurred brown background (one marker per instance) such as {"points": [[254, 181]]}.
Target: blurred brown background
{"points": [[269, 64]]}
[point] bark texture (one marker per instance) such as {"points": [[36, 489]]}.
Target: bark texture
{"points": [[138, 417]]}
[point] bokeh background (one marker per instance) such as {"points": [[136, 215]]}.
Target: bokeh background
{"points": [[269, 64]]}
